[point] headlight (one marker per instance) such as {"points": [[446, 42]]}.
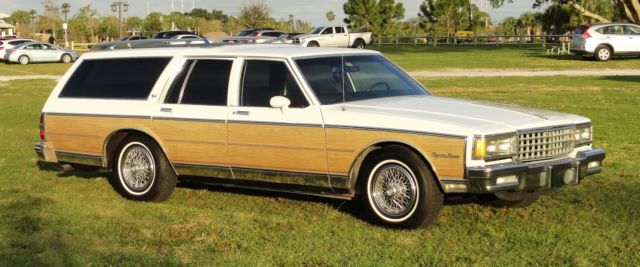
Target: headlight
{"points": [[489, 147], [583, 134]]}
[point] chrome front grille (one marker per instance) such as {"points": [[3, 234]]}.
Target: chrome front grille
{"points": [[544, 144]]}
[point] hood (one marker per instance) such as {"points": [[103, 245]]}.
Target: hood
{"points": [[446, 115], [302, 36]]}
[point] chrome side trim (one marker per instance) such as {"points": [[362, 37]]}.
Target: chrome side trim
{"points": [[334, 126], [203, 170], [188, 119], [276, 123], [79, 158], [282, 177], [98, 115]]}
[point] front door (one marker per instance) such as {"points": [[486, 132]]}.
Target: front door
{"points": [[270, 144], [191, 122]]}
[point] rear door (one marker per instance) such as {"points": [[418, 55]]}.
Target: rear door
{"points": [[191, 120], [285, 146], [341, 37], [614, 35]]}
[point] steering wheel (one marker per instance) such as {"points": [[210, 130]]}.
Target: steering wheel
{"points": [[373, 86]]}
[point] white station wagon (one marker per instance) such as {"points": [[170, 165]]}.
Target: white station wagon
{"points": [[338, 123]]}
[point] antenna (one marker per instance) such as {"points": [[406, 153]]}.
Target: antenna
{"points": [[344, 106]]}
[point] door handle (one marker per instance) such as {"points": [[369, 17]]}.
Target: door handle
{"points": [[241, 112], [166, 109]]}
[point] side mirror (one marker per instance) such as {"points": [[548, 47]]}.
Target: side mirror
{"points": [[280, 102]]}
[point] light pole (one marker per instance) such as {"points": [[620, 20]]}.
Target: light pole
{"points": [[65, 10], [291, 22], [33, 13], [120, 6]]}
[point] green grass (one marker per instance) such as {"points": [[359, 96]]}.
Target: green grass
{"points": [[76, 218], [33, 69], [458, 57]]}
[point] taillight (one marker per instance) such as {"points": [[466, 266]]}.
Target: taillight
{"points": [[586, 34], [42, 126], [10, 51], [1, 47]]}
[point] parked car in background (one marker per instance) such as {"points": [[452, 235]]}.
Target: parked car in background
{"points": [[333, 37], [11, 43], [602, 41], [169, 34], [186, 36], [39, 52], [249, 31], [267, 33], [133, 38]]}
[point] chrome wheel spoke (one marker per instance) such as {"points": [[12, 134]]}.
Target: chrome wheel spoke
{"points": [[394, 190], [138, 168]]}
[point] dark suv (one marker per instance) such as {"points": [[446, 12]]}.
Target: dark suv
{"points": [[169, 34]]}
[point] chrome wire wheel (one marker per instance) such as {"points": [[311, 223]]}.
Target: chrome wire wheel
{"points": [[136, 168], [393, 190]]}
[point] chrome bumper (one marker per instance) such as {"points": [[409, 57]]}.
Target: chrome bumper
{"points": [[535, 175], [40, 148]]}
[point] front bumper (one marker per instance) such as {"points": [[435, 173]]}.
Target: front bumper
{"points": [[535, 175]]}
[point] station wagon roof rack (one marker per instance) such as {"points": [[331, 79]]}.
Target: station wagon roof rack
{"points": [[152, 43]]}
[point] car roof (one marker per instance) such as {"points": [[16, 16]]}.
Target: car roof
{"points": [[231, 50], [612, 24]]}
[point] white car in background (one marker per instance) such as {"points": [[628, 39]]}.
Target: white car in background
{"points": [[39, 52], [333, 37], [11, 43], [602, 41]]}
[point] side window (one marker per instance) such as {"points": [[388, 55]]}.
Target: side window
{"points": [[207, 82], [632, 30], [328, 30], [339, 29], [121, 78], [263, 80]]}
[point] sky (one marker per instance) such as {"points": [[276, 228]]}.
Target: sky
{"points": [[312, 11]]}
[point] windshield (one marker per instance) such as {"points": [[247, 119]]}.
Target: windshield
{"points": [[365, 77], [317, 30]]}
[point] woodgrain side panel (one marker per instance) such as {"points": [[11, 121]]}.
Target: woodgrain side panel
{"points": [[278, 147], [194, 142], [446, 154], [87, 134]]}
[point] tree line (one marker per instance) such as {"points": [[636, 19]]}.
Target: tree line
{"points": [[382, 17]]}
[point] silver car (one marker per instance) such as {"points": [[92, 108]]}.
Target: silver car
{"points": [[602, 41], [39, 52]]}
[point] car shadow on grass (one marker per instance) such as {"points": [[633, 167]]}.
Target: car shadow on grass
{"points": [[630, 79]]}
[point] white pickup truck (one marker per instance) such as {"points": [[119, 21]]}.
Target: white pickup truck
{"points": [[333, 37]]}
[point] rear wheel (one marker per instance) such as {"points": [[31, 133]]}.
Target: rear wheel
{"points": [[66, 58], [313, 44], [24, 60], [141, 170], [603, 53], [359, 44], [399, 190], [510, 199]]}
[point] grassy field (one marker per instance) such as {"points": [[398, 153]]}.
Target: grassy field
{"points": [[458, 57], [432, 58], [76, 218]]}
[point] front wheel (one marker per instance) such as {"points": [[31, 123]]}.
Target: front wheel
{"points": [[400, 190], [142, 172], [66, 58], [313, 44]]}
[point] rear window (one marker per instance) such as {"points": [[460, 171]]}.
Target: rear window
{"points": [[581, 29], [123, 78]]}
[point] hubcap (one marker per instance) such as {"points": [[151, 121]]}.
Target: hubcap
{"points": [[604, 54], [394, 190], [137, 168]]}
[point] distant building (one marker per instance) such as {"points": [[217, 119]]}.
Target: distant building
{"points": [[5, 28]]}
